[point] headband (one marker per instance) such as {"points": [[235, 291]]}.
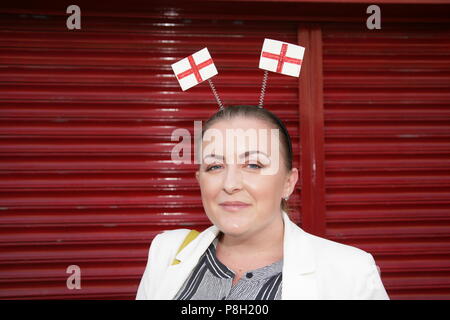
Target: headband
{"points": [[276, 56]]}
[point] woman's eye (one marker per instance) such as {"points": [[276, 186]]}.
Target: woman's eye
{"points": [[212, 167], [254, 166]]}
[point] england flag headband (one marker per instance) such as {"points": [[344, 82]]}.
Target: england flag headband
{"points": [[276, 56]]}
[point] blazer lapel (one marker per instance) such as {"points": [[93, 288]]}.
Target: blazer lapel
{"points": [[299, 278], [176, 275], [299, 265]]}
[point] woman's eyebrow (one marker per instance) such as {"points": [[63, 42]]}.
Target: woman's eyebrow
{"points": [[214, 156], [247, 153]]}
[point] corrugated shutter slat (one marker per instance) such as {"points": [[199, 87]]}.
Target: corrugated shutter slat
{"points": [[387, 133], [85, 174]]}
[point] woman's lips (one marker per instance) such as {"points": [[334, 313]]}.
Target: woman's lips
{"points": [[234, 205]]}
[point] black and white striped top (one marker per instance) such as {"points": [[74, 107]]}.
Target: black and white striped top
{"points": [[212, 280]]}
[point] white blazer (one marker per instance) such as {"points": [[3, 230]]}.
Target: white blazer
{"points": [[313, 267]]}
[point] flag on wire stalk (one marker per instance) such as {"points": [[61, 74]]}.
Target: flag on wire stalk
{"points": [[194, 69], [282, 57]]}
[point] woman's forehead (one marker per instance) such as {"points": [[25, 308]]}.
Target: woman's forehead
{"points": [[237, 142]]}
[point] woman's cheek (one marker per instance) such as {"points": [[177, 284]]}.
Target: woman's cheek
{"points": [[258, 184], [251, 182], [211, 184], [265, 189]]}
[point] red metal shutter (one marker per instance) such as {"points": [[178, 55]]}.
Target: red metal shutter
{"points": [[86, 123], [387, 150]]}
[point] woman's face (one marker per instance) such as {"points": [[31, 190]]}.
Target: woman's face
{"points": [[253, 175]]}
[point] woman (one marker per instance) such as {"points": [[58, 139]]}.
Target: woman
{"points": [[253, 250]]}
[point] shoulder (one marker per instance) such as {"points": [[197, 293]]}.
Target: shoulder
{"points": [[344, 271], [161, 252], [172, 235], [164, 247], [330, 258], [169, 240], [352, 272], [342, 263], [326, 252], [337, 252]]}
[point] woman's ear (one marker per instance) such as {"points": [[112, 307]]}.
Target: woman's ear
{"points": [[291, 182], [197, 176]]}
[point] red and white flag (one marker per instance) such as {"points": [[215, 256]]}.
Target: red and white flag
{"points": [[281, 57], [194, 69]]}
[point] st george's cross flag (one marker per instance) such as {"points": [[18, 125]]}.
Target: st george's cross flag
{"points": [[282, 57], [194, 69]]}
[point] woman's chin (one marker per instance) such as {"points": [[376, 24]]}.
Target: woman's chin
{"points": [[233, 229], [232, 224]]}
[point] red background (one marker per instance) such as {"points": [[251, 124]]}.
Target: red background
{"points": [[86, 118]]}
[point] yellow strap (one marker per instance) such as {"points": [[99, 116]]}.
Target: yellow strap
{"points": [[190, 236]]}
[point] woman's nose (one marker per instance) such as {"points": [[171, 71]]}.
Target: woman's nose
{"points": [[232, 180]]}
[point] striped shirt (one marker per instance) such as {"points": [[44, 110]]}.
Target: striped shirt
{"points": [[212, 280]]}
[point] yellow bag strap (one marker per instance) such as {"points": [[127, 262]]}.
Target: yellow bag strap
{"points": [[190, 236]]}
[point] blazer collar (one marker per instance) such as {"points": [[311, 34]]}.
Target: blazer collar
{"points": [[298, 253], [298, 262], [299, 277], [198, 246], [175, 275]]}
